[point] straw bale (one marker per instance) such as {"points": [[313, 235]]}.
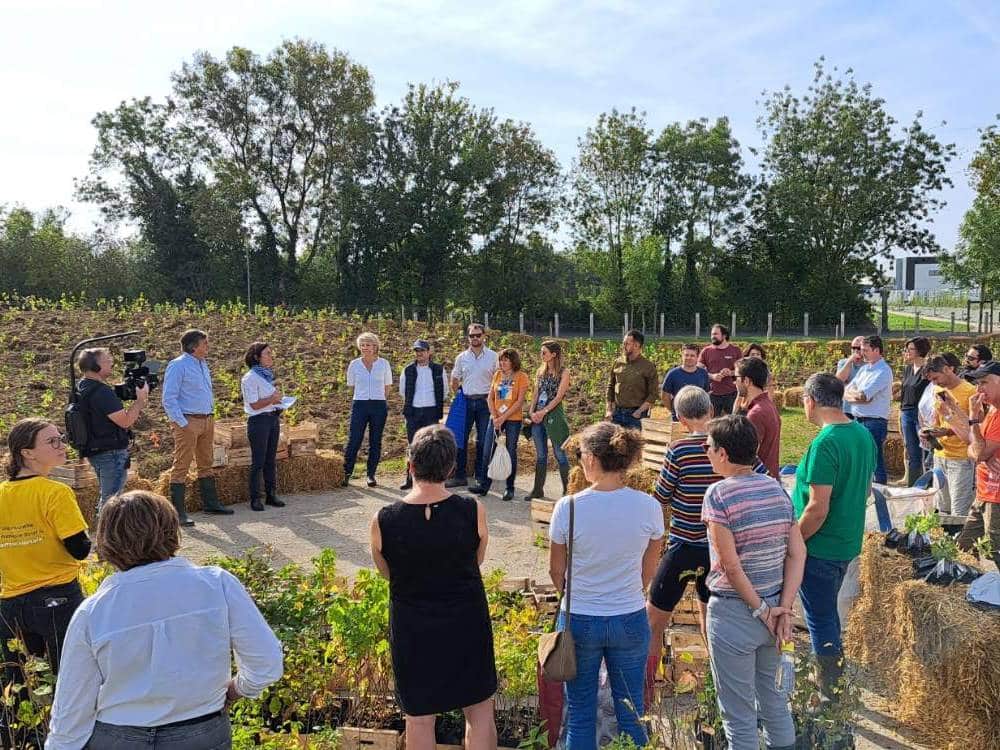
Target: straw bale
{"points": [[87, 497], [895, 454], [793, 396], [307, 473], [897, 389], [778, 397], [577, 481], [933, 652]]}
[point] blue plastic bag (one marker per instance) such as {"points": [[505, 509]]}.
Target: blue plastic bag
{"points": [[456, 417]]}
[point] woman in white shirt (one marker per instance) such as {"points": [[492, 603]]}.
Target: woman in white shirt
{"points": [[617, 540], [370, 376], [262, 403], [147, 659]]}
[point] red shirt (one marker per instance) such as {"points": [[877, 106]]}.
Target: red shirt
{"points": [[987, 479], [764, 417], [715, 360]]}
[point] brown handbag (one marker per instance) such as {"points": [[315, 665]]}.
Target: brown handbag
{"points": [[556, 650]]}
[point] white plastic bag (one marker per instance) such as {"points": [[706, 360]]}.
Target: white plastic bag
{"points": [[499, 468]]}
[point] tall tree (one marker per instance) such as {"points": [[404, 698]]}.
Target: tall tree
{"points": [[283, 137], [610, 186]]}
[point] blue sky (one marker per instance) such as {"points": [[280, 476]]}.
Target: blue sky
{"points": [[554, 64]]}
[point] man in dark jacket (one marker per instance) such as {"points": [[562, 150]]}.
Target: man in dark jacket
{"points": [[423, 385]]}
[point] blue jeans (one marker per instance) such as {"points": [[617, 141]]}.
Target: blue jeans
{"points": [[111, 468], [879, 428], [622, 641], [914, 453], [821, 583], [539, 436], [511, 431], [622, 416], [371, 414], [476, 413], [211, 734]]}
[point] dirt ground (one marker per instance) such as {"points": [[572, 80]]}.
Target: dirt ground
{"points": [[339, 520]]}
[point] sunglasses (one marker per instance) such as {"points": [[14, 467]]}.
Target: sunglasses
{"points": [[475, 335], [57, 442]]}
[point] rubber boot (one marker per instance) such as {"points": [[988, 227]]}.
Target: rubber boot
{"points": [[538, 489], [829, 669], [273, 500], [210, 498], [564, 476], [177, 500]]}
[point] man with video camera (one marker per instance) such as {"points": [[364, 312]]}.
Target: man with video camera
{"points": [[190, 404], [108, 421]]}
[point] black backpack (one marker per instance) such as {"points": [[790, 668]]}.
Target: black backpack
{"points": [[77, 420]]}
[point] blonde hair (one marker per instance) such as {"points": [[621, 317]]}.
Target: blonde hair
{"points": [[369, 338], [557, 359]]}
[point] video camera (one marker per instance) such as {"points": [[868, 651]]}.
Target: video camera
{"points": [[138, 372]]}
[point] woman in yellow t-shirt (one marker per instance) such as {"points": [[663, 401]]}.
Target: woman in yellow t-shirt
{"points": [[43, 538], [506, 404]]}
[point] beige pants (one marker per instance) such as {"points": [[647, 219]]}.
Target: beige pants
{"points": [[192, 441]]}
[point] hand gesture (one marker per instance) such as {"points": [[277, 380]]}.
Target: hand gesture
{"points": [[142, 393], [976, 406], [231, 693], [537, 417], [497, 421]]}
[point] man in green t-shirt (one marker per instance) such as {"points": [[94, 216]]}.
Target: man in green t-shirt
{"points": [[832, 484]]}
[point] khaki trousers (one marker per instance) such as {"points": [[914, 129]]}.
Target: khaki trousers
{"points": [[193, 441]]}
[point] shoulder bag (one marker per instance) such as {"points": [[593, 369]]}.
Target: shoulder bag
{"points": [[557, 651]]}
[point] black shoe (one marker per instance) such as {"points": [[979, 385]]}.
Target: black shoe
{"points": [[479, 490], [407, 485], [222, 510], [508, 496], [456, 482], [255, 504], [372, 482], [275, 502], [346, 482]]}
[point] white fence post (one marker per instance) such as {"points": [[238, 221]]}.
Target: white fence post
{"points": [[592, 325], [732, 325], [625, 330], [416, 317], [843, 326], [557, 325], [520, 321], [805, 324], [661, 325], [697, 325], [770, 325], [486, 320]]}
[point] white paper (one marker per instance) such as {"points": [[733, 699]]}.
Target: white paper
{"points": [[287, 402]]}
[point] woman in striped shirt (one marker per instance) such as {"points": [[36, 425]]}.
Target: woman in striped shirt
{"points": [[757, 558]]}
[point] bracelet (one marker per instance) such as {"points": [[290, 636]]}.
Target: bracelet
{"points": [[759, 612]]}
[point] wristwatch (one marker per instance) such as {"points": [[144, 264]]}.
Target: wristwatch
{"points": [[756, 614]]}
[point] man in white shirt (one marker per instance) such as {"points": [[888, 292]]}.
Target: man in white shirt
{"points": [[870, 394], [424, 386], [473, 373]]}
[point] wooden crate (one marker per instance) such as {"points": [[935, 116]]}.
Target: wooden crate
{"points": [[238, 457], [303, 432], [692, 659], [515, 585], [302, 448], [360, 738], [231, 433], [541, 510], [678, 639], [220, 455], [657, 436], [76, 474]]}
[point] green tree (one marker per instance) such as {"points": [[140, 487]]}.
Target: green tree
{"points": [[610, 183]]}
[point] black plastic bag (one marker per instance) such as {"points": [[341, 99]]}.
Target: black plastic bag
{"points": [[946, 572], [915, 544], [892, 538], [923, 565]]}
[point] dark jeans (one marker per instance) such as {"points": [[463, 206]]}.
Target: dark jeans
{"points": [[909, 426], [421, 416], [39, 618], [262, 432], [111, 468], [623, 416], [366, 414], [722, 404], [511, 431], [821, 583], [879, 428], [476, 413], [211, 734]]}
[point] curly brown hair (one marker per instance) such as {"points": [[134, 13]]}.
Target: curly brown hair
{"points": [[137, 528], [615, 448]]}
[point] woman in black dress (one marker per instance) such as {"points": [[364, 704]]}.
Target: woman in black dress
{"points": [[430, 546]]}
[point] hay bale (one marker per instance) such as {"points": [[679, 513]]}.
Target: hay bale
{"points": [[577, 481], [793, 396], [895, 454], [778, 397], [935, 654], [641, 478], [897, 389], [308, 473], [572, 446], [87, 497]]}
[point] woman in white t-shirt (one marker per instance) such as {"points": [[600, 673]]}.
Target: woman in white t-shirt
{"points": [[617, 540], [262, 403], [370, 376]]}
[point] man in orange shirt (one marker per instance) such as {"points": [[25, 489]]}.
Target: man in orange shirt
{"points": [[982, 432]]}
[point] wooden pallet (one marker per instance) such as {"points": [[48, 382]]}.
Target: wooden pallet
{"points": [[515, 585], [76, 474], [231, 433], [360, 738], [657, 436], [302, 432], [302, 448]]}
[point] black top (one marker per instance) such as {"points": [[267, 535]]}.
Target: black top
{"points": [[97, 401], [914, 384]]}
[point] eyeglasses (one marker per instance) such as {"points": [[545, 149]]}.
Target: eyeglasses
{"points": [[475, 335], [57, 442], [855, 348]]}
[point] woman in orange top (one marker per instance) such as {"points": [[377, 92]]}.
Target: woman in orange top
{"points": [[506, 404]]}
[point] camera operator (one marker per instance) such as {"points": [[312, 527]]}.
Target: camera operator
{"points": [[189, 403], [108, 421]]}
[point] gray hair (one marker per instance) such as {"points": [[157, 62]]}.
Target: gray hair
{"points": [[691, 402], [825, 389]]}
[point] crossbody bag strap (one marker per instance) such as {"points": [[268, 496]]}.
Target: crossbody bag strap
{"points": [[569, 559]]}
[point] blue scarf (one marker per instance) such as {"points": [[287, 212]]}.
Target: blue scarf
{"points": [[265, 372]]}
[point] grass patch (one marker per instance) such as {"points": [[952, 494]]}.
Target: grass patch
{"points": [[796, 434], [903, 323]]}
